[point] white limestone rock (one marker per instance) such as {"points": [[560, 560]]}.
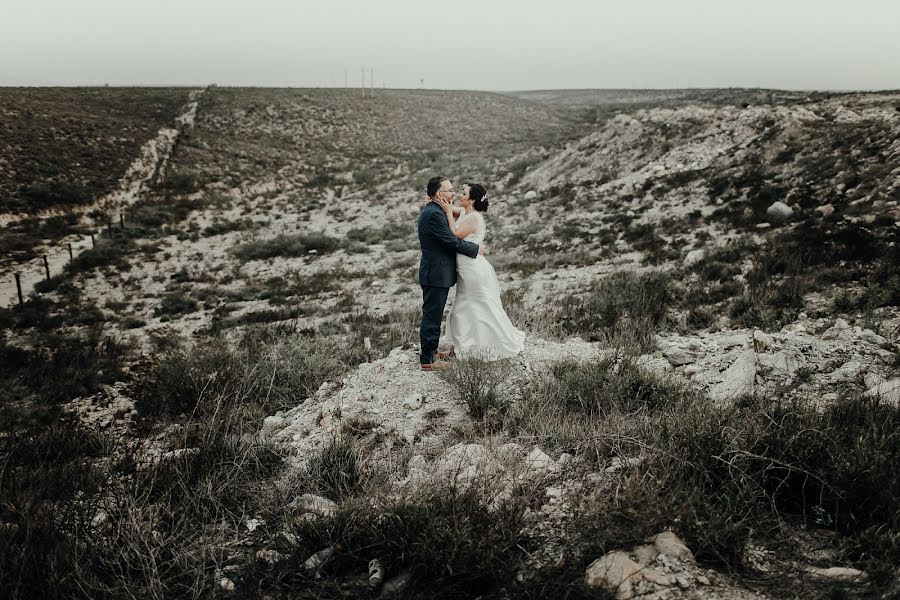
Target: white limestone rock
{"points": [[738, 380], [889, 391], [779, 211]]}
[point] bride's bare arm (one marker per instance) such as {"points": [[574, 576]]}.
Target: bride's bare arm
{"points": [[450, 211]]}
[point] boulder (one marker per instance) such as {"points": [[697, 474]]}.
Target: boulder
{"points": [[731, 341], [889, 391], [738, 380], [694, 256], [669, 544], [780, 363], [867, 335], [531, 195], [614, 572], [537, 460], [679, 356], [779, 211]]}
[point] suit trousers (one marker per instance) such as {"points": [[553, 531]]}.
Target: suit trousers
{"points": [[433, 301]]}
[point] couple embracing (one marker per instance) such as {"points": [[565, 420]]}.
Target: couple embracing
{"points": [[452, 241]]}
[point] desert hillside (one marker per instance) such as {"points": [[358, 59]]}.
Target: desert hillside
{"points": [[218, 394]]}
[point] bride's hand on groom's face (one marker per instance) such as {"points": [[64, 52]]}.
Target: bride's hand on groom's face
{"points": [[444, 204]]}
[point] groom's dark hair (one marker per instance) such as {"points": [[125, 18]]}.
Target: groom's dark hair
{"points": [[434, 184]]}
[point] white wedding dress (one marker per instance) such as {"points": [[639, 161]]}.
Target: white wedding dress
{"points": [[477, 324]]}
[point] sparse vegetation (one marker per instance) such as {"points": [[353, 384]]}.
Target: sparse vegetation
{"points": [[286, 245], [622, 309]]}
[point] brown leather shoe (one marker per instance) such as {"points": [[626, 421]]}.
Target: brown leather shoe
{"points": [[436, 366]]}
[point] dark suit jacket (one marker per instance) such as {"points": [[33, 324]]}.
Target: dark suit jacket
{"points": [[437, 267]]}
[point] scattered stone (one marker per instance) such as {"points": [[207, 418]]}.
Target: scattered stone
{"points": [[413, 402], [669, 544], [703, 580], [530, 195], [679, 356], [272, 423], [538, 461], [779, 211], [835, 330], [226, 584], [762, 340], [842, 574], [731, 341], [738, 380], [317, 505], [873, 379], [618, 463], [269, 556], [253, 524], [849, 371], [314, 563], [694, 256], [825, 210], [871, 337], [614, 572], [780, 363], [889, 391], [397, 586]]}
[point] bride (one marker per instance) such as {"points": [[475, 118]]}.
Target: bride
{"points": [[477, 324]]}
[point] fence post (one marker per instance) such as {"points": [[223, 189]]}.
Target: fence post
{"points": [[19, 288], [70, 252], [122, 220], [93, 243], [109, 225], [46, 267]]}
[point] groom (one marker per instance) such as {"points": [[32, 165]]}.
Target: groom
{"points": [[437, 268]]}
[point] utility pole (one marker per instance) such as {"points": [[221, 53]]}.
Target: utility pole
{"points": [[372, 79], [364, 81]]}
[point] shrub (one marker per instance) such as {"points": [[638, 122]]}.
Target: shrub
{"points": [[286, 245], [175, 303], [621, 309], [478, 383]]}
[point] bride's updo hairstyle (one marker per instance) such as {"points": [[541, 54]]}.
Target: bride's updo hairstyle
{"points": [[478, 195]]}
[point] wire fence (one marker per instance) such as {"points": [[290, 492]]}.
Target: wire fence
{"points": [[30, 273]]}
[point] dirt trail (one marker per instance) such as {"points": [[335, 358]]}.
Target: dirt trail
{"points": [[150, 165]]}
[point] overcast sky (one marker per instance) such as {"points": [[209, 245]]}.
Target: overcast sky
{"points": [[464, 44]]}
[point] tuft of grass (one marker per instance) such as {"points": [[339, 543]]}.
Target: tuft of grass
{"points": [[478, 382], [335, 471]]}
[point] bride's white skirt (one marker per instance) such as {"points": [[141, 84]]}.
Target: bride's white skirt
{"points": [[477, 324]]}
